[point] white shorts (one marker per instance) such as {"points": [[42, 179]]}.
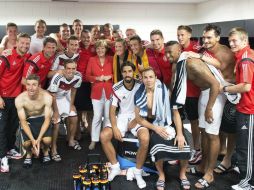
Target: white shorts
{"points": [[214, 127], [122, 124], [63, 105]]}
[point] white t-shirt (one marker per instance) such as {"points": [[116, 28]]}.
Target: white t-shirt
{"points": [[36, 44], [59, 61], [123, 97], [62, 87]]}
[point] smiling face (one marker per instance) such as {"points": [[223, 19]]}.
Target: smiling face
{"points": [[73, 46], [49, 49], [136, 47], [119, 48], [86, 38], [23, 45], [69, 70], [173, 53], [183, 37], [40, 29], [32, 87], [236, 42], [210, 39], [157, 42]]}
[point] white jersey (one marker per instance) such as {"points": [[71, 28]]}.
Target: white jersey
{"points": [[36, 44], [60, 58], [62, 87], [123, 97]]}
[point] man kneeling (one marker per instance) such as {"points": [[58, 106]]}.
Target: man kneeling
{"points": [[34, 111], [123, 96]]}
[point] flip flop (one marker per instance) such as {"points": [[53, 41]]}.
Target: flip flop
{"points": [[204, 184], [27, 163], [46, 159], [185, 183], [223, 169], [76, 146], [56, 158], [160, 184], [194, 171]]}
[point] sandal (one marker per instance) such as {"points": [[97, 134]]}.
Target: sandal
{"points": [[185, 184], [27, 163], [222, 169], [204, 184], [76, 146], [160, 184], [46, 159], [56, 157], [194, 171]]}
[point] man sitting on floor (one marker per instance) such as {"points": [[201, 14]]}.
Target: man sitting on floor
{"points": [[152, 111], [123, 96], [34, 111]]}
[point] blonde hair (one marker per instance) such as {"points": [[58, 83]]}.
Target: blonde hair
{"points": [[100, 43], [241, 32]]}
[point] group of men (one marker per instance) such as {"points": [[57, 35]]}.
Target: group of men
{"points": [[194, 79]]}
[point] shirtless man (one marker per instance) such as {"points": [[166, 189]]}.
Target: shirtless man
{"points": [[221, 57], [10, 39], [165, 144], [34, 111]]}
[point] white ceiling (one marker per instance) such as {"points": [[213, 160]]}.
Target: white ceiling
{"points": [[114, 1]]}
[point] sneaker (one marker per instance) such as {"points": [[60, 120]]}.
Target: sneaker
{"points": [[138, 176], [196, 157], [115, 170], [4, 165], [13, 154], [238, 187]]}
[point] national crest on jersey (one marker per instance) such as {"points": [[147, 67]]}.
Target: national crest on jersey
{"points": [[61, 86], [60, 58], [123, 97]]}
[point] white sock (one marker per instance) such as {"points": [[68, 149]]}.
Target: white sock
{"points": [[115, 170], [138, 175]]}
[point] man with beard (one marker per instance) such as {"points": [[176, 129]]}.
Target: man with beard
{"points": [[11, 68], [123, 96]]}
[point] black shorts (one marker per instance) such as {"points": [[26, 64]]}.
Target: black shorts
{"points": [[191, 108], [35, 125], [228, 122], [83, 101]]}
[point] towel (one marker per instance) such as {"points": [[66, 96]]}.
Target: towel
{"points": [[161, 105], [180, 85]]}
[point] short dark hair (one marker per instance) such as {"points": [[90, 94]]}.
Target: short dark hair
{"points": [[23, 35], [86, 31], [72, 37], [156, 32], [215, 28], [33, 77], [77, 20], [128, 63], [11, 24], [171, 43], [185, 27], [68, 61], [49, 40], [136, 37]]}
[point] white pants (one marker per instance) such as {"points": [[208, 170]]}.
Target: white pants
{"points": [[100, 109], [214, 127]]}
